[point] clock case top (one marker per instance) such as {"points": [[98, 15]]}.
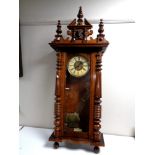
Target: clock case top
{"points": [[80, 38], [81, 43]]}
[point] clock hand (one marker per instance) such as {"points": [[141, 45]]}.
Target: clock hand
{"points": [[77, 66]]}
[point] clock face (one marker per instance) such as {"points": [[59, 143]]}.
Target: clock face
{"points": [[78, 66]]}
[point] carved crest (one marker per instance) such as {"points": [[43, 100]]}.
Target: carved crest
{"points": [[79, 30]]}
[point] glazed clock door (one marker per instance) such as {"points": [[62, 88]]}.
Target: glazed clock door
{"points": [[77, 96]]}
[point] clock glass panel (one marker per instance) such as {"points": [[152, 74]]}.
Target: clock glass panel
{"points": [[77, 98]]}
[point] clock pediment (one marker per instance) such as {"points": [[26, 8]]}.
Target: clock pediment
{"points": [[74, 24], [79, 35]]}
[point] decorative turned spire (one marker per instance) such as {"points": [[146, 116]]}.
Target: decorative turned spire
{"points": [[58, 31], [80, 16], [100, 36]]}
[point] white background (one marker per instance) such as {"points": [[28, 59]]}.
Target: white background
{"points": [[145, 75], [34, 141], [39, 61]]}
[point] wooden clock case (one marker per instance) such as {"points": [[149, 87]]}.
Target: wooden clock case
{"points": [[78, 98]]}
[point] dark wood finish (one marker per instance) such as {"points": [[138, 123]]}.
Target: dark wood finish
{"points": [[80, 16], [97, 100], [78, 98], [58, 36], [100, 36], [56, 145], [96, 149]]}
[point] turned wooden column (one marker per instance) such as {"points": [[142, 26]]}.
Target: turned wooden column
{"points": [[59, 95], [97, 99], [57, 130], [98, 88], [58, 87]]}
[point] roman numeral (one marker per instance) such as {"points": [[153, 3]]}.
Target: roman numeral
{"points": [[71, 68], [84, 68]]}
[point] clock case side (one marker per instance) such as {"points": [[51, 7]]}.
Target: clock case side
{"points": [[59, 97]]}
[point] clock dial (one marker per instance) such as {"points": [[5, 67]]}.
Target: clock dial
{"points": [[78, 66]]}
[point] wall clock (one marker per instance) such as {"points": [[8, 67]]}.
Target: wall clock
{"points": [[78, 84]]}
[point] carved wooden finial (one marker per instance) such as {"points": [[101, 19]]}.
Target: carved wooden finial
{"points": [[100, 36], [80, 16], [58, 31]]}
